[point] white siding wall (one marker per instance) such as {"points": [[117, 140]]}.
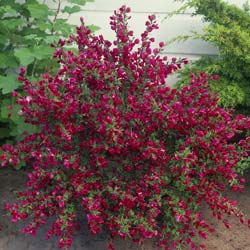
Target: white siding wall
{"points": [[99, 11]]}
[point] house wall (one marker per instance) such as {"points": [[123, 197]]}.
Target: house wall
{"points": [[99, 11]]}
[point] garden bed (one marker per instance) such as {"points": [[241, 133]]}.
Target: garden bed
{"points": [[11, 237]]}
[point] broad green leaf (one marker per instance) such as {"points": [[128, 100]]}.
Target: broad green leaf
{"points": [[5, 111], [8, 83], [11, 24], [62, 27], [71, 10], [43, 52], [3, 61], [31, 2], [38, 10], [44, 26], [60, 22], [16, 39], [46, 65], [22, 126], [7, 10], [50, 39], [7, 60], [19, 127], [93, 28], [31, 37], [25, 56], [52, 12]]}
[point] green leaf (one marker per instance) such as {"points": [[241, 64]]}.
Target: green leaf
{"points": [[11, 24], [80, 2], [48, 39], [4, 132], [20, 165], [51, 39], [5, 111], [38, 11], [25, 56], [43, 26], [3, 39], [93, 28], [31, 37], [42, 52], [14, 131], [23, 126], [9, 83], [3, 61], [71, 10], [31, 2], [7, 10], [62, 27], [7, 60]]}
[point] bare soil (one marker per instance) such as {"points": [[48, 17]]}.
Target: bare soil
{"points": [[11, 237]]}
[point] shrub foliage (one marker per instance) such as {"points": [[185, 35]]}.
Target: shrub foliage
{"points": [[228, 30]]}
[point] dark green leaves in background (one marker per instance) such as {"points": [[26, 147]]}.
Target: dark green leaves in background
{"points": [[26, 31]]}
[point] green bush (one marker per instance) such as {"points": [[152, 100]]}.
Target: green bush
{"points": [[229, 31], [26, 31]]}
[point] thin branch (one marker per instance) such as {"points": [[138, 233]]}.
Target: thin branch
{"points": [[56, 15]]}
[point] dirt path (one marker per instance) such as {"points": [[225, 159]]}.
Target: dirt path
{"points": [[11, 238]]}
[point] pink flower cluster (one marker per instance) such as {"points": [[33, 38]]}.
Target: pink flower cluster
{"points": [[139, 157]]}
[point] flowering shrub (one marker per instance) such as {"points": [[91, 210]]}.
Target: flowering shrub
{"points": [[138, 157]]}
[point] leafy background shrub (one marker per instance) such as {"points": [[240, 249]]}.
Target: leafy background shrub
{"points": [[26, 31], [229, 32], [112, 140]]}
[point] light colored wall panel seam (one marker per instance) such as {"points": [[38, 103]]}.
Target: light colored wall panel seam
{"points": [[137, 12], [189, 54]]}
